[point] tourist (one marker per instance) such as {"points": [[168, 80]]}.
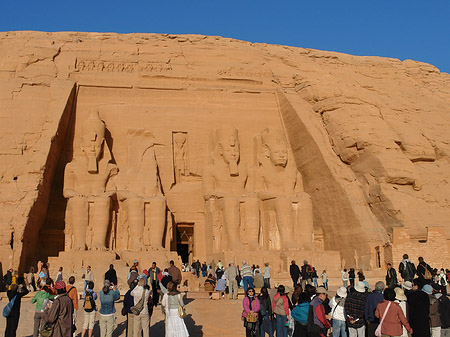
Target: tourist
{"points": [[141, 320], [30, 280], [231, 273], [219, 272], [306, 274], [89, 309], [12, 321], [247, 275], [435, 319], [258, 281], [128, 302], [294, 271], [221, 285], [7, 278], [344, 277], [166, 278], [391, 315], [371, 305], [51, 286], [391, 277], [407, 287], [265, 313], [407, 269], [400, 299], [351, 277], [59, 313], [14, 279], [444, 310], [45, 272], [154, 282], [59, 275], [73, 295], [108, 295], [318, 324], [296, 294], [88, 277], [424, 272], [442, 281], [324, 277], [354, 310], [40, 297], [196, 266], [337, 304], [175, 326], [136, 265], [419, 311], [251, 309], [300, 315], [266, 275], [175, 272], [280, 307], [210, 284], [204, 269], [111, 275], [132, 275]]}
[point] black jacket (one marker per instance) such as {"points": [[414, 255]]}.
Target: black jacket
{"points": [[294, 270]]}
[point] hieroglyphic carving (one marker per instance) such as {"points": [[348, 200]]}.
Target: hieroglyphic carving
{"points": [[244, 72], [87, 185], [180, 155], [121, 67]]}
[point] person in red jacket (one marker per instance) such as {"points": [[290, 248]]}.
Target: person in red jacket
{"points": [[318, 323], [394, 319]]}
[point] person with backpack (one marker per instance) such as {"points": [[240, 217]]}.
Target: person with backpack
{"points": [[140, 309], [128, 302], [407, 269], [89, 308], [337, 312], [280, 306], [39, 299], [265, 313], [15, 294], [59, 313], [424, 272], [300, 315], [318, 323]]}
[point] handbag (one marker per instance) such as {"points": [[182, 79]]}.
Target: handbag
{"points": [[47, 330], [181, 310], [136, 309], [378, 330], [252, 317], [8, 308]]}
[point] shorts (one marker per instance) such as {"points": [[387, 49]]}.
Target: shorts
{"points": [[89, 320]]}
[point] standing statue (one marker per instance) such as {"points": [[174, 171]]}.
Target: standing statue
{"points": [[87, 185], [141, 193], [280, 188], [227, 183], [180, 160]]}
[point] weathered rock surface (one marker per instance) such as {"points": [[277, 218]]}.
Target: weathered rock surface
{"points": [[369, 135]]}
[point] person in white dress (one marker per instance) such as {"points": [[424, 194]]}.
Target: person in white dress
{"points": [[175, 326]]}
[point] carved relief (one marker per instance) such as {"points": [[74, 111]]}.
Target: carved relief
{"points": [[121, 67], [89, 187], [180, 155]]}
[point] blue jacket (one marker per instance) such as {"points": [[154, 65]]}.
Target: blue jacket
{"points": [[371, 304], [107, 302]]}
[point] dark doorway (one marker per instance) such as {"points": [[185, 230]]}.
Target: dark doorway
{"points": [[185, 241]]}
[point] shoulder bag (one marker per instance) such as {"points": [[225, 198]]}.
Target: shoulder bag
{"points": [[181, 310], [136, 309], [378, 330]]}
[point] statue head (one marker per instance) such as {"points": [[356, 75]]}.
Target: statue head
{"points": [[92, 139], [228, 147], [274, 147]]}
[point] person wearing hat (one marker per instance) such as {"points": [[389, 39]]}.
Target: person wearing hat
{"points": [[231, 273], [419, 311], [369, 310], [407, 287], [60, 313], [318, 323], [354, 308], [337, 312], [400, 299], [435, 319], [391, 316]]}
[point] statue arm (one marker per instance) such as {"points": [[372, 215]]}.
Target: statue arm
{"points": [[261, 188], [69, 190], [209, 186], [111, 183]]}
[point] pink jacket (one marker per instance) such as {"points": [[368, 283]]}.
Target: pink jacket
{"points": [[255, 306]]}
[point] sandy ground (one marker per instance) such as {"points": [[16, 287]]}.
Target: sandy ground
{"points": [[205, 318]]}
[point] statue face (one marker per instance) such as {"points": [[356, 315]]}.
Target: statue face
{"points": [[230, 150], [92, 145], [278, 153]]}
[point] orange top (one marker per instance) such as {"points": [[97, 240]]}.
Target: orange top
{"points": [[73, 294]]}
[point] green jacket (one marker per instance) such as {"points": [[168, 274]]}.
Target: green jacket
{"points": [[40, 297]]}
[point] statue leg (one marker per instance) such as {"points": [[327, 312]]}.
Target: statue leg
{"points": [[135, 210], [79, 209], [100, 222], [284, 213], [231, 221], [305, 220], [157, 221], [252, 222]]}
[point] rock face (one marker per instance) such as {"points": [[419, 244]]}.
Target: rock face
{"points": [[213, 147]]}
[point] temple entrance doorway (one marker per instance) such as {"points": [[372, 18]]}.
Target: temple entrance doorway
{"points": [[185, 241]]}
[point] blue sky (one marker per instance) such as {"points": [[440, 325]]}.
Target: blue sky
{"points": [[418, 30]]}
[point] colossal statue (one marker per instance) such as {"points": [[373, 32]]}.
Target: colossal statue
{"points": [[280, 189], [140, 193], [88, 186], [227, 186]]}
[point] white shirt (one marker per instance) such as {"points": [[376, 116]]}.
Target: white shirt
{"points": [[337, 310], [137, 295]]}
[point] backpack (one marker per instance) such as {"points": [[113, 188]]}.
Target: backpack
{"points": [[8, 308], [410, 269], [427, 275], [300, 313], [89, 303]]}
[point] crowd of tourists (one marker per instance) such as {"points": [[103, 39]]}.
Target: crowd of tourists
{"points": [[416, 305], [57, 305]]}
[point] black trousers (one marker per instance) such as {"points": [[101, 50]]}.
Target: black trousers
{"points": [[155, 296], [12, 322]]}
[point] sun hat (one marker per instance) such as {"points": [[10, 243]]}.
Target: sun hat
{"points": [[60, 285], [107, 283], [321, 290], [360, 287], [400, 294], [407, 285], [427, 289], [342, 292]]}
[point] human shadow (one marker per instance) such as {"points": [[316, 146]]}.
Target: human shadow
{"points": [[118, 331]]}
